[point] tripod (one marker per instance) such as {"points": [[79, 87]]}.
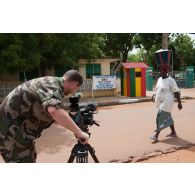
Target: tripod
{"points": [[80, 151]]}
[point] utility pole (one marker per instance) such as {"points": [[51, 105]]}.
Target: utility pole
{"points": [[165, 43], [164, 40]]}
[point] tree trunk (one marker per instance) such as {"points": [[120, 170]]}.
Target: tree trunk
{"points": [[42, 70], [125, 56], [164, 40]]}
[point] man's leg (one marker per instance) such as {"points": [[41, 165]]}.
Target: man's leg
{"points": [[18, 153], [154, 138]]}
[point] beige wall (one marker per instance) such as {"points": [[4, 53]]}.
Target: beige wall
{"points": [[82, 70], [105, 69], [15, 77], [105, 65]]}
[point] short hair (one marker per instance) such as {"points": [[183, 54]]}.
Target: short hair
{"points": [[73, 76]]}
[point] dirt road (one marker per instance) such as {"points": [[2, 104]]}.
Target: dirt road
{"points": [[179, 156], [123, 134]]}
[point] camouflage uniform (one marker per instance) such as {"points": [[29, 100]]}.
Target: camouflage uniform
{"points": [[23, 116]]}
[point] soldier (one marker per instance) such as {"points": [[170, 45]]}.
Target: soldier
{"points": [[32, 107]]}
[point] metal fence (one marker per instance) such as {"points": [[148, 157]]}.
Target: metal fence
{"points": [[86, 86], [7, 87]]}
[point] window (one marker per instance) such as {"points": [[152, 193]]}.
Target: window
{"points": [[138, 74], [92, 69]]}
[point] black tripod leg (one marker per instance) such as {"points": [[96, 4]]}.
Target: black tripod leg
{"points": [[92, 152], [72, 155], [71, 158]]}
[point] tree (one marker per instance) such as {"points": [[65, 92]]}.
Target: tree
{"points": [[149, 44], [137, 57], [148, 40], [67, 48], [17, 53], [119, 44], [183, 48], [22, 52]]}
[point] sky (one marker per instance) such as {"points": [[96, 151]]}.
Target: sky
{"points": [[192, 36]]}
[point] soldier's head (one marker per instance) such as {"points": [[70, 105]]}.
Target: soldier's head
{"points": [[72, 81]]}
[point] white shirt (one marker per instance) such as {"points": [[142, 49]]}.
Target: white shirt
{"points": [[165, 89]]}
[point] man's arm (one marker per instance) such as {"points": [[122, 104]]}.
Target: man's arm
{"points": [[177, 96], [62, 118]]}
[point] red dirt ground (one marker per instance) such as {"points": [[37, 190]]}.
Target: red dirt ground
{"points": [[179, 156]]}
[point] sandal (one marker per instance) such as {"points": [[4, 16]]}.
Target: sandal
{"points": [[171, 135], [155, 139]]}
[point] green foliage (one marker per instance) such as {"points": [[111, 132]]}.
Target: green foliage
{"points": [[183, 50], [137, 57], [20, 52], [149, 43], [119, 44], [148, 40]]}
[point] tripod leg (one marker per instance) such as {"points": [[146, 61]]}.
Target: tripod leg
{"points": [[82, 159], [73, 154], [71, 158], [92, 152], [82, 155]]}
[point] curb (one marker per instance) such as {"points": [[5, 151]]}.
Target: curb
{"points": [[121, 102]]}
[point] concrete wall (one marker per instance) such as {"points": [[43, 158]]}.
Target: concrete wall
{"points": [[105, 65], [9, 77], [16, 78], [105, 70]]}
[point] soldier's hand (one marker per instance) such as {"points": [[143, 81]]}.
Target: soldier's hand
{"points": [[153, 97], [83, 137]]}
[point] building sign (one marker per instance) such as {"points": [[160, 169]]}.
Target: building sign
{"points": [[104, 82]]}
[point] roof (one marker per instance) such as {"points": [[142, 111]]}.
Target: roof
{"points": [[134, 65]]}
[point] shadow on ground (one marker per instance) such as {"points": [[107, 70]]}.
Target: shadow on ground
{"points": [[55, 139], [176, 141]]}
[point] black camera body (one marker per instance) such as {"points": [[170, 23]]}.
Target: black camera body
{"points": [[82, 115]]}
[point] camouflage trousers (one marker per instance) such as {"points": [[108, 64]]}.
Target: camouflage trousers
{"points": [[15, 152]]}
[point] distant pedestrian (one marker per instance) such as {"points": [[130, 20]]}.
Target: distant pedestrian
{"points": [[166, 91]]}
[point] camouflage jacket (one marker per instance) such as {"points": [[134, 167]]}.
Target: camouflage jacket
{"points": [[23, 113]]}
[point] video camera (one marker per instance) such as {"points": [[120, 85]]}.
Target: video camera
{"points": [[82, 115]]}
